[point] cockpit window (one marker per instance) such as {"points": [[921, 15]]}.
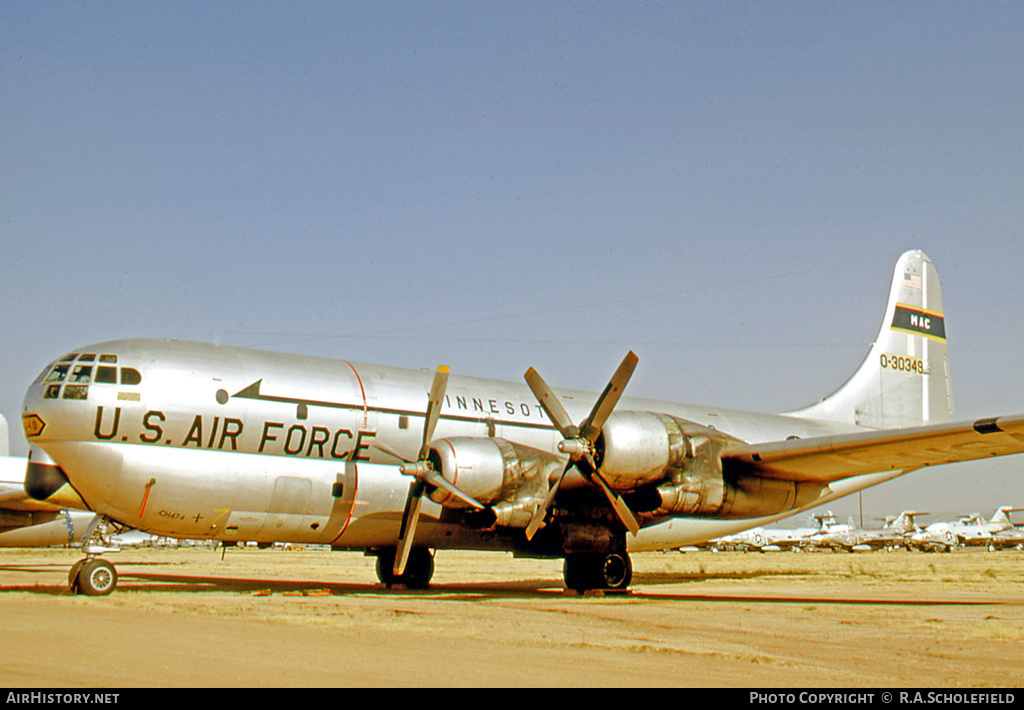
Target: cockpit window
{"points": [[81, 373], [58, 373], [76, 391], [77, 370], [106, 375]]}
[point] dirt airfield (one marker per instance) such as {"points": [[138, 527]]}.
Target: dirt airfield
{"points": [[273, 618]]}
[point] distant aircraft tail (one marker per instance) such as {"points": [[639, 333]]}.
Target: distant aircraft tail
{"points": [[904, 381], [1002, 515], [906, 520]]}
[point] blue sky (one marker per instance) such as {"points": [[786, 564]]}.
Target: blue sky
{"points": [[723, 187]]}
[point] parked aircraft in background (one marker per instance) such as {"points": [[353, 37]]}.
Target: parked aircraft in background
{"points": [[1008, 537], [892, 534], [970, 530], [25, 522], [763, 539], [193, 440], [829, 527]]}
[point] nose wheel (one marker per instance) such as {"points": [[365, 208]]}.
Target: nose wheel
{"points": [[93, 577]]}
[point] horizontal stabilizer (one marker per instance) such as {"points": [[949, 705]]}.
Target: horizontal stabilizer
{"points": [[831, 458]]}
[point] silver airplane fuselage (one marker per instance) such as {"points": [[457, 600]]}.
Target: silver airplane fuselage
{"points": [[193, 440]]}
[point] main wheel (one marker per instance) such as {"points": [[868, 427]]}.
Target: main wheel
{"points": [[97, 578], [613, 571], [616, 571], [418, 570]]}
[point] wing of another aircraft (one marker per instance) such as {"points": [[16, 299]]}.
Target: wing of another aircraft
{"points": [[832, 458], [26, 522]]}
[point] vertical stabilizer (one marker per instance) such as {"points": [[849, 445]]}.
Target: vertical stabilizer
{"points": [[904, 381], [1002, 515]]}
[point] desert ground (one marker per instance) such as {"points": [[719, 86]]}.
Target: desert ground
{"points": [[310, 618]]}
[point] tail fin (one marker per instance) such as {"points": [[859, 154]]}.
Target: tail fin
{"points": [[904, 381], [1002, 515], [906, 520]]}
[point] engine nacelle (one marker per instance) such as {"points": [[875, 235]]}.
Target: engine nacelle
{"points": [[683, 458], [636, 448], [490, 470]]}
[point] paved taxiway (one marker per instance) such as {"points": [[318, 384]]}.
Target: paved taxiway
{"points": [[315, 618]]}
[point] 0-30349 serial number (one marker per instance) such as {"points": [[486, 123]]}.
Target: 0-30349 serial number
{"points": [[902, 363]]}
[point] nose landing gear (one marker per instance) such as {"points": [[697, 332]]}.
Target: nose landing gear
{"points": [[94, 576]]}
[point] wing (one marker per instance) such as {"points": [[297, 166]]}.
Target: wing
{"points": [[831, 458], [9, 495], [12, 487], [16, 499]]}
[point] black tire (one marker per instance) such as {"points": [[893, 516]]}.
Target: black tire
{"points": [[386, 566], [419, 569], [578, 573], [97, 578], [73, 576], [583, 572]]}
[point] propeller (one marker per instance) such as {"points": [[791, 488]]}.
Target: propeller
{"points": [[423, 471], [578, 441]]}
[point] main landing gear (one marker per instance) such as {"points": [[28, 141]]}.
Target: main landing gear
{"points": [[598, 571], [418, 570], [583, 572]]}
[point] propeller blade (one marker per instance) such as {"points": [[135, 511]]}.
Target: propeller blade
{"points": [[390, 452], [537, 521], [618, 505], [438, 481], [410, 517], [591, 427], [437, 390], [550, 403]]}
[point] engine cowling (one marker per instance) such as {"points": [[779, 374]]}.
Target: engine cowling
{"points": [[490, 470], [477, 466], [637, 448]]}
